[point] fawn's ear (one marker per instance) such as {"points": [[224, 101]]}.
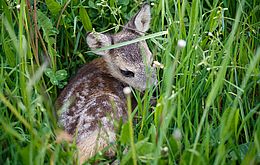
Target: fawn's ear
{"points": [[97, 40], [141, 21]]}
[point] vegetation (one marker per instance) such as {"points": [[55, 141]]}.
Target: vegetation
{"points": [[208, 101]]}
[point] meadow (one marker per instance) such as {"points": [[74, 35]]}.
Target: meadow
{"points": [[207, 98]]}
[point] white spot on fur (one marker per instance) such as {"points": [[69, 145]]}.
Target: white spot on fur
{"points": [[85, 92], [72, 90]]}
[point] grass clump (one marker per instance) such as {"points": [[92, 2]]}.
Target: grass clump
{"points": [[208, 101]]}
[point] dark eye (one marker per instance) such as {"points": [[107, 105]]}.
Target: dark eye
{"points": [[127, 73]]}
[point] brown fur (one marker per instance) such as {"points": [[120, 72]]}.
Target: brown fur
{"points": [[93, 100]]}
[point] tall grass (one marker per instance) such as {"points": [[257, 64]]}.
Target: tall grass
{"points": [[208, 102]]}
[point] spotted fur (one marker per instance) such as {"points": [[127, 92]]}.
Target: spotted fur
{"points": [[93, 100]]}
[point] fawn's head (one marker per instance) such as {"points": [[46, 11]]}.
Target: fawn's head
{"points": [[130, 64]]}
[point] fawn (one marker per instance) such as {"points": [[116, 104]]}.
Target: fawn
{"points": [[94, 97]]}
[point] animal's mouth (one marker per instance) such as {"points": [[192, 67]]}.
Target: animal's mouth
{"points": [[150, 81]]}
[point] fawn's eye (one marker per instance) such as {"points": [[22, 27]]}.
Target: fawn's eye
{"points": [[127, 73]]}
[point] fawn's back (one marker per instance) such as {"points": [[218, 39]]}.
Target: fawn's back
{"points": [[93, 100]]}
